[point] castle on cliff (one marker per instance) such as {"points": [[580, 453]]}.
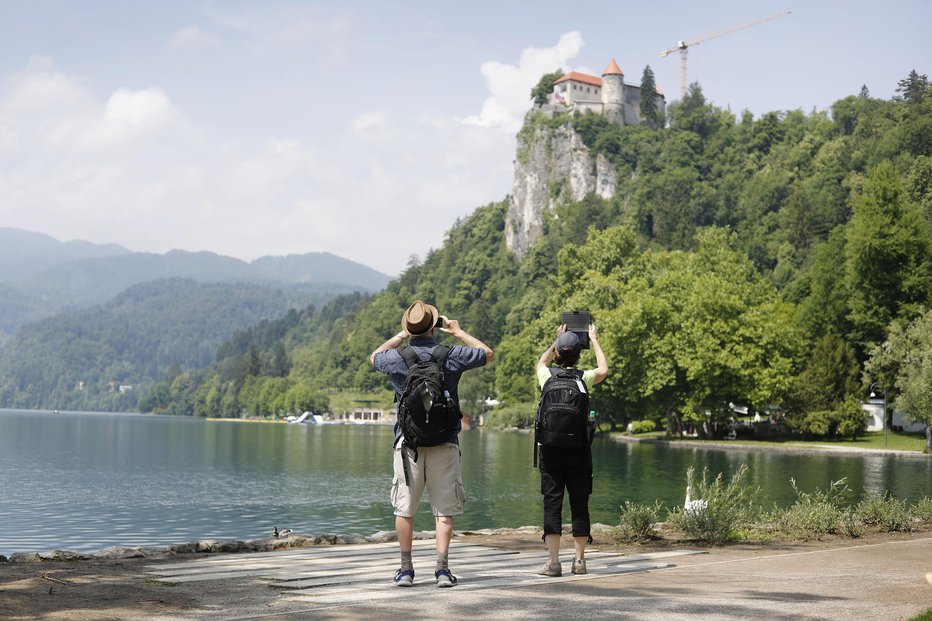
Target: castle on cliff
{"points": [[609, 95]]}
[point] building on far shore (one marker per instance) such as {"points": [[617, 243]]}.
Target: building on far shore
{"points": [[874, 411]]}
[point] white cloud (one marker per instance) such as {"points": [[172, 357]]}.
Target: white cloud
{"points": [[192, 38], [133, 115], [373, 125], [511, 85], [297, 29], [131, 167]]}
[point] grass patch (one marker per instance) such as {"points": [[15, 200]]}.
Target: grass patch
{"points": [[923, 616], [870, 440]]}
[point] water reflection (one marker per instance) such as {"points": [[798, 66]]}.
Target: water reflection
{"points": [[86, 481]]}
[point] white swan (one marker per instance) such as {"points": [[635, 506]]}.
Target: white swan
{"points": [[692, 506]]}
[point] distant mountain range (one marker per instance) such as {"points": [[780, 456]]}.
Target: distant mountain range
{"points": [[41, 276], [24, 253]]}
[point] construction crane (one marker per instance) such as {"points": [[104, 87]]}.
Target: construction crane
{"points": [[683, 46]]}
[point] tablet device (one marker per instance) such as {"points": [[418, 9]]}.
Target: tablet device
{"points": [[578, 322]]}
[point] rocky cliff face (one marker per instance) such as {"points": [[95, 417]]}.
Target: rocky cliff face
{"points": [[552, 167]]}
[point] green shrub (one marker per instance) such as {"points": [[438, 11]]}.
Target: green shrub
{"points": [[519, 415], [850, 417], [847, 419], [922, 510], [850, 525], [636, 523], [643, 426], [817, 423], [815, 514], [886, 512], [725, 510]]}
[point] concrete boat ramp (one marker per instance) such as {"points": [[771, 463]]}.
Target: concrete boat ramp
{"points": [[840, 581], [332, 576]]}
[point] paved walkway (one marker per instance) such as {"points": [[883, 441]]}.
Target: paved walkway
{"points": [[875, 581]]}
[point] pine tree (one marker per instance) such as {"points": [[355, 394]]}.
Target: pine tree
{"points": [[650, 104]]}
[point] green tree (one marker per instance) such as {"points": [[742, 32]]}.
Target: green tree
{"points": [[914, 381], [888, 257], [649, 105], [913, 87], [830, 376], [544, 87]]}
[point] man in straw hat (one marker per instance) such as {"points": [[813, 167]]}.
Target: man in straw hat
{"points": [[436, 467]]}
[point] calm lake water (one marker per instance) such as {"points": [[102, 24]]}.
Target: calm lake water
{"points": [[84, 481]]}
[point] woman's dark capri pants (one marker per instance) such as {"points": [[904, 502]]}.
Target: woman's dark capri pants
{"points": [[571, 469]]}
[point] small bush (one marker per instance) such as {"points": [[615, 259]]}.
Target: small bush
{"points": [[643, 426], [520, 415], [636, 523], [815, 514], [850, 525], [724, 511], [922, 510], [847, 419], [886, 512]]}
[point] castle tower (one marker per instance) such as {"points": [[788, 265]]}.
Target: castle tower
{"points": [[613, 93]]}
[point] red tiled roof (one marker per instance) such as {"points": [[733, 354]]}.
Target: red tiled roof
{"points": [[575, 76], [613, 69]]}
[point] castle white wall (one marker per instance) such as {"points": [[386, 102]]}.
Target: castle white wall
{"points": [[576, 92]]}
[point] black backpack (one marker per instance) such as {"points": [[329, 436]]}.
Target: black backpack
{"points": [[562, 415], [427, 414]]}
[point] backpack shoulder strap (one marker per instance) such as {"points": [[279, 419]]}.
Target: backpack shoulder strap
{"points": [[439, 353], [555, 371], [409, 356]]}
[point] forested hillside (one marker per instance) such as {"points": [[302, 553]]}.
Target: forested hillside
{"points": [[762, 262], [80, 360]]}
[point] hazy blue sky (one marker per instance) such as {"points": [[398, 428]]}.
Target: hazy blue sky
{"points": [[361, 128]]}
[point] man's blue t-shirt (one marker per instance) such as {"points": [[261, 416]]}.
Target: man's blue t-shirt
{"points": [[461, 359]]}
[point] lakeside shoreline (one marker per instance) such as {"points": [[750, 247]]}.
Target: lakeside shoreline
{"points": [[738, 445]]}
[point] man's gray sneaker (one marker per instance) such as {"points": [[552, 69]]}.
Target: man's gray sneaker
{"points": [[404, 577], [579, 566], [444, 578], [551, 569]]}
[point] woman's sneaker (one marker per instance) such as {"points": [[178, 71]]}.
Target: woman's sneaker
{"points": [[404, 577], [444, 578], [553, 570], [579, 567]]}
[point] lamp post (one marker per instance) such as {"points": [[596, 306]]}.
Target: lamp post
{"points": [[873, 394]]}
